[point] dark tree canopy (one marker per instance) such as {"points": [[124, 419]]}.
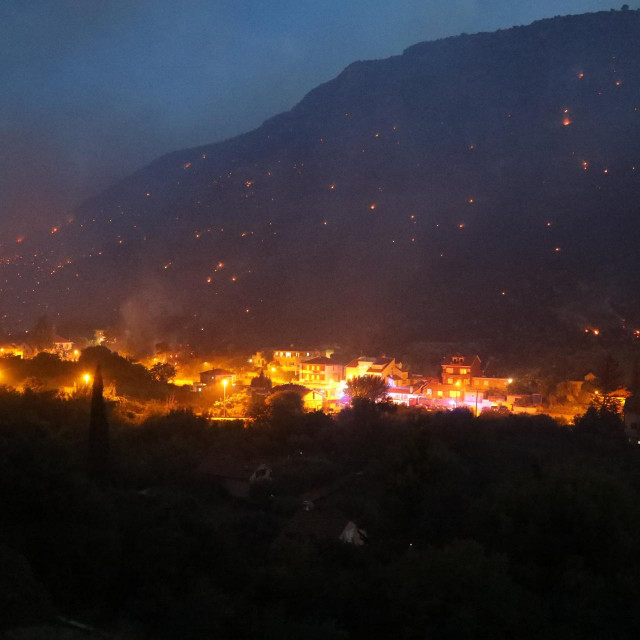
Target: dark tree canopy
{"points": [[370, 388]]}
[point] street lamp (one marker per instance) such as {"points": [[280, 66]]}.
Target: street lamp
{"points": [[224, 391]]}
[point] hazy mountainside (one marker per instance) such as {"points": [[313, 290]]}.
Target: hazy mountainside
{"points": [[479, 186]]}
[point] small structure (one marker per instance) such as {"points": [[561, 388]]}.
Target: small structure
{"points": [[63, 347], [460, 369], [290, 359], [381, 367], [236, 477], [321, 371], [322, 524], [215, 376], [313, 399]]}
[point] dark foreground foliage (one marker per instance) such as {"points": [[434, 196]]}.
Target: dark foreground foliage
{"points": [[477, 528]]}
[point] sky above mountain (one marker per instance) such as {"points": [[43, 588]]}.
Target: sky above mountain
{"points": [[94, 90]]}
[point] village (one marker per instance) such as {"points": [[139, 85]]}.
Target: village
{"points": [[227, 387]]}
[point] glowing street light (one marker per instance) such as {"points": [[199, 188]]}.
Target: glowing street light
{"points": [[224, 400], [87, 378]]}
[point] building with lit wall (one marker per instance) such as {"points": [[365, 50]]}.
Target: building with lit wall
{"points": [[386, 368], [459, 370], [321, 371]]}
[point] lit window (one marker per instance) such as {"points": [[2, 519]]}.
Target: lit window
{"points": [[463, 371], [440, 393], [429, 392], [450, 380], [449, 369], [453, 394]]}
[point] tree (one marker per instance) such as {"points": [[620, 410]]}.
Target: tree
{"points": [[369, 388], [163, 372], [284, 409], [261, 382], [608, 376], [602, 419], [98, 458], [43, 333]]}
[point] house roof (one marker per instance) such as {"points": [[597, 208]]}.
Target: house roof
{"points": [[59, 339], [381, 363], [321, 360], [466, 360], [298, 388], [318, 524], [372, 361]]}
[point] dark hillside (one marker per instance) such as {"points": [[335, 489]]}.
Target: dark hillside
{"points": [[478, 186]]}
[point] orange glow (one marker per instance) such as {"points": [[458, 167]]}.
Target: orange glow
{"points": [[19, 240], [186, 166], [209, 280], [566, 122], [585, 165], [596, 332], [372, 207], [54, 230], [581, 75]]}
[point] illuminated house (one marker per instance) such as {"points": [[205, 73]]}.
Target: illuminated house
{"points": [[493, 384], [63, 347], [459, 370], [312, 399], [287, 358], [437, 393], [386, 368], [321, 371], [404, 395]]}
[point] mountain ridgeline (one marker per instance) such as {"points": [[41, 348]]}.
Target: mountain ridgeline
{"points": [[481, 187]]}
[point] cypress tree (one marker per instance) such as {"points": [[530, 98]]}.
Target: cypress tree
{"points": [[98, 458]]}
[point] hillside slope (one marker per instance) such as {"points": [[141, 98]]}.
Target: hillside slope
{"points": [[479, 187]]}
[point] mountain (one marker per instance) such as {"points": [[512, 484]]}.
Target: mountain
{"points": [[481, 187]]}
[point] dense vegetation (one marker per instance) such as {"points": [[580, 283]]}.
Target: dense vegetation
{"points": [[476, 528]]}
